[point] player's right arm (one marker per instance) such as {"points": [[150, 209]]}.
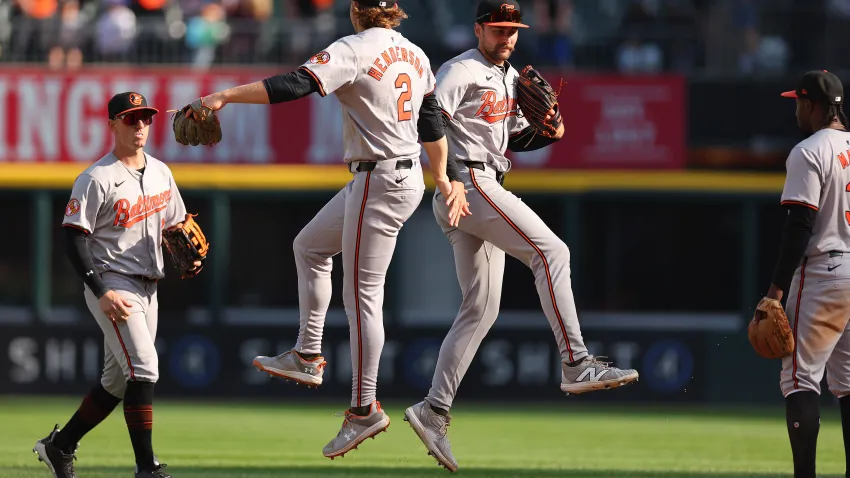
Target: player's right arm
{"points": [[323, 73], [87, 196], [800, 197]]}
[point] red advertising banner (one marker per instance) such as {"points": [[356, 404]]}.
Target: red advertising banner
{"points": [[47, 117], [611, 121]]}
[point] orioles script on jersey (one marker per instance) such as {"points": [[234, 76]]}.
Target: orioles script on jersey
{"points": [[126, 216], [494, 109], [392, 55]]}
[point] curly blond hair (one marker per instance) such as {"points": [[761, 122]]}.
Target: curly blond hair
{"points": [[370, 17]]}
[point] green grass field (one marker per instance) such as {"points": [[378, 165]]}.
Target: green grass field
{"points": [[217, 440]]}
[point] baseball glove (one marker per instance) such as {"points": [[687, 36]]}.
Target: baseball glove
{"points": [[188, 130], [535, 97], [769, 332], [186, 244]]}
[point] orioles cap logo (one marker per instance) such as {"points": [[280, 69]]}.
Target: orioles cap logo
{"points": [[135, 99], [507, 8]]}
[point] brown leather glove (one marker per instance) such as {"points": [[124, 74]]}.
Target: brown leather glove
{"points": [[769, 331]]}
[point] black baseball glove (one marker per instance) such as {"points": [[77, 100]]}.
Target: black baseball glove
{"points": [[536, 97]]}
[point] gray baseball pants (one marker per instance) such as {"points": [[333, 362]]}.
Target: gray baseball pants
{"points": [[362, 222]]}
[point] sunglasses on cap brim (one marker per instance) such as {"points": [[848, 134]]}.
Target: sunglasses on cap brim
{"points": [[132, 117], [502, 18]]}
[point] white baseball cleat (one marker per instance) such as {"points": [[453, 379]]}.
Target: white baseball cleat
{"points": [[432, 428], [591, 374], [290, 366], [356, 429]]}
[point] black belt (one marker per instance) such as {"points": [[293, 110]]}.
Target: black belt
{"points": [[370, 165], [500, 177], [145, 279]]}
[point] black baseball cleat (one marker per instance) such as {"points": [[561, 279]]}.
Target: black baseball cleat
{"points": [[61, 464], [158, 471]]}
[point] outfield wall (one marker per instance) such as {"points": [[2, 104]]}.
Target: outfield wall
{"points": [[668, 258], [664, 282]]}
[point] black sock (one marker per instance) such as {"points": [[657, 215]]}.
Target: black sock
{"points": [[138, 413], [362, 411], [439, 411], [96, 406], [573, 364], [802, 414], [845, 429], [308, 356]]}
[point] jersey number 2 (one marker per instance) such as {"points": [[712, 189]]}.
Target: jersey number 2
{"points": [[404, 98], [847, 213]]}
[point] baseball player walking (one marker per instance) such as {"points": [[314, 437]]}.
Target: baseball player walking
{"points": [[113, 227], [810, 269], [384, 84], [475, 91]]}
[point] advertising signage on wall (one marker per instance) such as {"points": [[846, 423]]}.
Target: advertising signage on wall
{"points": [[49, 117], [520, 364]]}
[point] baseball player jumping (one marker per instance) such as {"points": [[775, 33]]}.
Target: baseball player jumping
{"points": [[476, 92], [384, 84], [815, 247], [113, 227]]}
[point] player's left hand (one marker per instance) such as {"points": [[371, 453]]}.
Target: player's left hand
{"points": [[457, 203]]}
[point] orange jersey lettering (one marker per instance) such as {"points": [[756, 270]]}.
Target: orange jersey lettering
{"points": [[145, 206]]}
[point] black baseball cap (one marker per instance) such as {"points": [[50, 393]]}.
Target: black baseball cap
{"points": [[377, 3], [820, 86], [500, 13], [127, 102]]}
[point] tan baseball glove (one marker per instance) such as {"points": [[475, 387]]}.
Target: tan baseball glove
{"points": [[769, 332], [186, 244]]}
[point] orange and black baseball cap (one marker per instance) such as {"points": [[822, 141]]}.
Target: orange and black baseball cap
{"points": [[127, 102], [819, 86], [500, 13]]}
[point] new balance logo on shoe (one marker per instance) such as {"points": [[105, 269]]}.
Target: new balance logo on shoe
{"points": [[591, 372]]}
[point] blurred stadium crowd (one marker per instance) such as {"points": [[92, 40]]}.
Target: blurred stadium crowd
{"points": [[718, 37]]}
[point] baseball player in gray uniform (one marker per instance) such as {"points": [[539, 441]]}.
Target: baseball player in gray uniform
{"points": [[810, 270], [384, 84], [475, 91], [113, 227]]}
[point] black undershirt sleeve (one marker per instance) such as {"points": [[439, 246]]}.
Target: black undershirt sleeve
{"points": [[527, 140], [452, 171], [77, 249], [291, 86], [430, 124], [795, 239]]}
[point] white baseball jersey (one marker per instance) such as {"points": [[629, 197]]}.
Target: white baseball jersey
{"points": [[818, 177], [124, 212], [479, 97], [380, 79]]}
